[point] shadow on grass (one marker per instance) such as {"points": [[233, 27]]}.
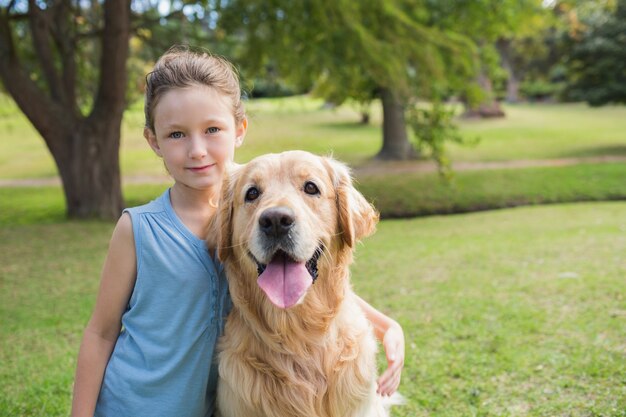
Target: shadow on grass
{"points": [[395, 194], [615, 150], [46, 204], [348, 125]]}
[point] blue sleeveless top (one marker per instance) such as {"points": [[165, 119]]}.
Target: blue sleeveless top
{"points": [[163, 362]]}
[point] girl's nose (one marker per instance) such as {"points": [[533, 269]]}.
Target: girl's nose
{"points": [[197, 148]]}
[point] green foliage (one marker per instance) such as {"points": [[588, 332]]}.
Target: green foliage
{"points": [[493, 70], [347, 49], [596, 62], [539, 89], [433, 127], [261, 87], [535, 56], [85, 21], [81, 27], [484, 20], [473, 95]]}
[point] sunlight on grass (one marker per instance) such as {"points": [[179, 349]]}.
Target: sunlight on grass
{"points": [[528, 132], [546, 131], [516, 312]]}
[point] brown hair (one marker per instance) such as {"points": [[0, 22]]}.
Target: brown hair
{"points": [[181, 67]]}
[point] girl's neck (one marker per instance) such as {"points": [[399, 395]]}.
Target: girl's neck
{"points": [[194, 207]]}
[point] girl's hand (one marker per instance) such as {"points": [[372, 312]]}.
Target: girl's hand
{"points": [[393, 343]]}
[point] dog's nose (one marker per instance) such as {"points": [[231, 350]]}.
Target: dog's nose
{"points": [[276, 221]]}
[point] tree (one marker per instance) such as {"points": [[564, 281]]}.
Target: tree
{"points": [[65, 64], [528, 59], [486, 22], [356, 50], [84, 147], [597, 58]]}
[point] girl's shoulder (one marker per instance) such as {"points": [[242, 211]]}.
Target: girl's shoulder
{"points": [[157, 205]]}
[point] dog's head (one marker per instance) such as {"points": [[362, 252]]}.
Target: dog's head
{"points": [[283, 217]]}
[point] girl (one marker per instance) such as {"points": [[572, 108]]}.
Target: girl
{"points": [[148, 348]]}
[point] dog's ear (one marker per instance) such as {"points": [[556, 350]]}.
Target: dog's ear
{"points": [[219, 236], [357, 217]]}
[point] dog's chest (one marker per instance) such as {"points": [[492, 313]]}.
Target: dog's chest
{"points": [[328, 380]]}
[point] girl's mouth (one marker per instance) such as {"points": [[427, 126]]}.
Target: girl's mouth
{"points": [[203, 168]]}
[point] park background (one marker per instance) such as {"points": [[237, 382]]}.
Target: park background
{"points": [[491, 136]]}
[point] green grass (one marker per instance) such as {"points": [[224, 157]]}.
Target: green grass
{"points": [[546, 131], [407, 195], [394, 195], [46, 205], [528, 132], [518, 312], [510, 313], [49, 276]]}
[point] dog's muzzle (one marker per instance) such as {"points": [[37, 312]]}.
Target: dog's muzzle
{"points": [[311, 264], [284, 278]]}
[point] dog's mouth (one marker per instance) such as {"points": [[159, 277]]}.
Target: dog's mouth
{"points": [[285, 280]]}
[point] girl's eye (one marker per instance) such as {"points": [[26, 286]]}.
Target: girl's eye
{"points": [[252, 194], [176, 135], [213, 129], [311, 188]]}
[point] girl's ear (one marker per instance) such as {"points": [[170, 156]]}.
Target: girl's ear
{"points": [[241, 132], [151, 138]]}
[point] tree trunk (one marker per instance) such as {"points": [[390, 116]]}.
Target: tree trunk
{"points": [[512, 83], [88, 164], [396, 145], [512, 86], [489, 107], [85, 149]]}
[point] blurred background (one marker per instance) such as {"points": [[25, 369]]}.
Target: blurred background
{"points": [[445, 109]]}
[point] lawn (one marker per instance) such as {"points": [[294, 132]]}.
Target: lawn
{"points": [[529, 132], [393, 194], [517, 312], [509, 313]]}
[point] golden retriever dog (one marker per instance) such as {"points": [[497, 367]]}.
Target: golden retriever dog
{"points": [[296, 343]]}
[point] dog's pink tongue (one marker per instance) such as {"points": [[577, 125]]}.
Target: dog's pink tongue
{"points": [[284, 281]]}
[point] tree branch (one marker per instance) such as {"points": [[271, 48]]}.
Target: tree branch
{"points": [[65, 41], [115, 46], [42, 112], [96, 33], [7, 47], [19, 16], [142, 21], [40, 28], [10, 6]]}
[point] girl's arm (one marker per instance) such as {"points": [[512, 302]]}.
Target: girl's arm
{"points": [[390, 333], [118, 280]]}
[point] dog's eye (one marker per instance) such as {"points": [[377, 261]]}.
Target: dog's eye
{"points": [[252, 194], [311, 188]]}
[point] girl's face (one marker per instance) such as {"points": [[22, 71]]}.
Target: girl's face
{"points": [[196, 135]]}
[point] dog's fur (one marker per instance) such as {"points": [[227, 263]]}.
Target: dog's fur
{"points": [[316, 358]]}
